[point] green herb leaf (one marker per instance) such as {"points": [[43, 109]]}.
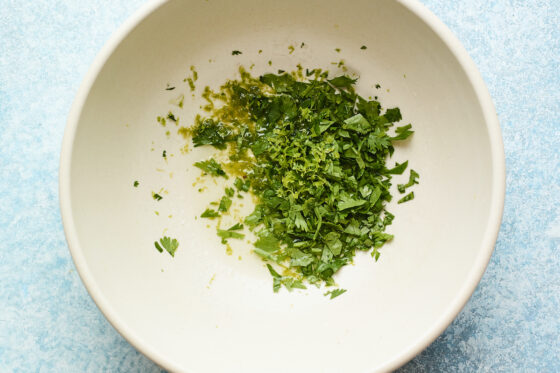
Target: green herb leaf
{"points": [[230, 192], [267, 242], [230, 234], [211, 167], [408, 197], [236, 227], [168, 243], [171, 117], [347, 202], [225, 204], [210, 132], [357, 123], [398, 169], [210, 214], [393, 115], [413, 179], [342, 81], [242, 185], [335, 293], [403, 132], [314, 155]]}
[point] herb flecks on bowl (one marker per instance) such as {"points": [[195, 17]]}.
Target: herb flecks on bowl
{"points": [[313, 154]]}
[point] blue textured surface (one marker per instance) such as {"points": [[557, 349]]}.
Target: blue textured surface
{"points": [[48, 323]]}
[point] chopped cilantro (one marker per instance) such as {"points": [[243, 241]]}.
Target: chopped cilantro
{"points": [[164, 154], [136, 183], [363, 47], [156, 196], [236, 53]]}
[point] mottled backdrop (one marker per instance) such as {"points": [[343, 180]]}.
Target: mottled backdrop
{"points": [[48, 323]]}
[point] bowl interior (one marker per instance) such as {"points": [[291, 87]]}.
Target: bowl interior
{"points": [[206, 311]]}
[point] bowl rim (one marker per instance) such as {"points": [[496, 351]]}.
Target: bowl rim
{"points": [[416, 346]]}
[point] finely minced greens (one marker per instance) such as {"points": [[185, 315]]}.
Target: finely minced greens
{"points": [[313, 153]]}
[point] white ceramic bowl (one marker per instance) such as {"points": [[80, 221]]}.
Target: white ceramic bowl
{"points": [[171, 309]]}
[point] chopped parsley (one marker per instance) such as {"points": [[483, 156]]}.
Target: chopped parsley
{"points": [[398, 169], [236, 53], [156, 196], [211, 132], [190, 81], [242, 185], [161, 120], [195, 73], [225, 204], [236, 227], [136, 183], [210, 214], [408, 197], [225, 234], [211, 167], [402, 132], [411, 181], [363, 47], [289, 282], [335, 293], [169, 244], [313, 154], [171, 117]]}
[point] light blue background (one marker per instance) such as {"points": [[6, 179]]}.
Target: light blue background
{"points": [[48, 323]]}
